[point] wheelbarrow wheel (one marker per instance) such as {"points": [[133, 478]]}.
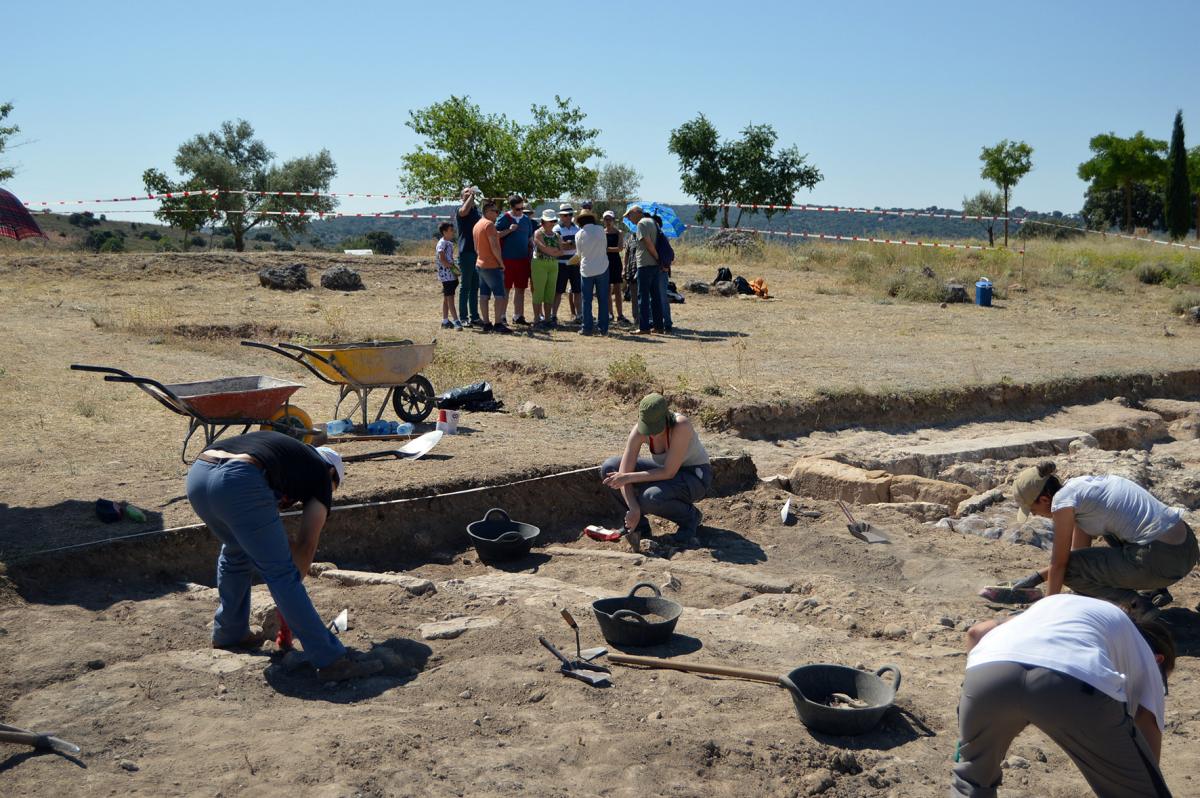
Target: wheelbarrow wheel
{"points": [[291, 420], [413, 401]]}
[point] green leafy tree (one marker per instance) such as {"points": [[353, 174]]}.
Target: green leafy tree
{"points": [[1105, 208], [6, 132], [985, 203], [616, 184], [1177, 198], [463, 146], [381, 241], [1194, 181], [186, 214], [747, 170], [231, 158], [1005, 164], [1120, 162]]}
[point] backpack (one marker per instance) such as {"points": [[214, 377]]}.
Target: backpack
{"points": [[723, 276], [741, 285], [666, 253]]}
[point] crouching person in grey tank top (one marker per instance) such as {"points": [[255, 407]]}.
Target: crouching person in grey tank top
{"points": [[668, 484]]}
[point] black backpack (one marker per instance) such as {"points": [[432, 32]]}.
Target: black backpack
{"points": [[741, 285], [723, 276]]}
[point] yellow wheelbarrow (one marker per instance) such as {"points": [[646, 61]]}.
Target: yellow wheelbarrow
{"points": [[360, 368]]}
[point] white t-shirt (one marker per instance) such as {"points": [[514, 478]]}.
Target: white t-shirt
{"points": [[566, 236], [1089, 639], [445, 255], [1114, 505], [592, 245]]}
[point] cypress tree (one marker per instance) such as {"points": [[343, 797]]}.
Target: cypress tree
{"points": [[1178, 200]]}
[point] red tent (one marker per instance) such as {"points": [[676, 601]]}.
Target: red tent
{"points": [[15, 219]]}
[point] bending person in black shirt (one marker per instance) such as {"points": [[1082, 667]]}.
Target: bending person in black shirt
{"points": [[238, 487]]}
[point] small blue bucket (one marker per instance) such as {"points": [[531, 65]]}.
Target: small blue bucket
{"points": [[983, 293]]}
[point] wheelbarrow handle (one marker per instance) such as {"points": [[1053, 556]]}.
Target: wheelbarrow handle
{"points": [[282, 350], [895, 672], [630, 614], [633, 591], [159, 391], [100, 369]]}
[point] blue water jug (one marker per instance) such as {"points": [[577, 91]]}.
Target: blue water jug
{"points": [[339, 427], [983, 293]]}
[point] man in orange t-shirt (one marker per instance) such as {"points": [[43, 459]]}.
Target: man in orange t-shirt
{"points": [[491, 268]]}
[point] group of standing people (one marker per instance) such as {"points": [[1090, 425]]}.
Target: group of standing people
{"points": [[503, 255]]}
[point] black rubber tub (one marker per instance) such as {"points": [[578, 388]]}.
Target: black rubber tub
{"points": [[635, 620], [498, 537], [812, 685]]}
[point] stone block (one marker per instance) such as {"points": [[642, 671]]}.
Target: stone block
{"points": [[909, 488], [829, 479], [1172, 409], [414, 585], [448, 630]]}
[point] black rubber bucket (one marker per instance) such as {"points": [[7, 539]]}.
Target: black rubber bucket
{"points": [[812, 685], [498, 537], [637, 620]]}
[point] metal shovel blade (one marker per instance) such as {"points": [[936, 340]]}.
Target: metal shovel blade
{"points": [[589, 654], [413, 450], [42, 742], [594, 678], [866, 533]]}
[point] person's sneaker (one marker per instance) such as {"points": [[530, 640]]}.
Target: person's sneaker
{"points": [[345, 668], [1160, 598], [1142, 610], [1007, 594], [458, 326], [584, 332], [467, 324], [521, 321], [253, 640], [501, 328], [640, 331], [487, 327], [623, 321], [445, 324]]}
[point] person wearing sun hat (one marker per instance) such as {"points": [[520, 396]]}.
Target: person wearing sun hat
{"points": [[1150, 546], [668, 484], [592, 245], [545, 269], [238, 486]]}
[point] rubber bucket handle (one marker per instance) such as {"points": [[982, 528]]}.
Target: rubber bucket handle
{"points": [[510, 536], [622, 614], [488, 515], [640, 585], [895, 672], [791, 687]]}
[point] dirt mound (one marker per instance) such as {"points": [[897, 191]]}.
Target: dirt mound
{"points": [[743, 242]]}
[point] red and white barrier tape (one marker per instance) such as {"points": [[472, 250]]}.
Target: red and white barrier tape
{"points": [[200, 192], [1125, 236], [859, 239], [868, 211]]}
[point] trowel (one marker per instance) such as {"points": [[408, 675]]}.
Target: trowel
{"points": [[861, 529], [595, 675], [413, 450], [42, 742], [587, 654], [341, 623]]}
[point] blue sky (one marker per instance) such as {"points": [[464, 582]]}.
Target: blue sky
{"points": [[892, 101]]}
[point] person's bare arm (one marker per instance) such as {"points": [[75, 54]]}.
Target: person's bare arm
{"points": [[620, 245], [633, 445], [304, 547], [506, 232], [494, 243], [1147, 724], [539, 238], [1060, 555], [1081, 539], [977, 632], [649, 242], [467, 204], [681, 438]]}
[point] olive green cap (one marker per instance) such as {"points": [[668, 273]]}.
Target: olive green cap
{"points": [[1028, 485], [652, 414]]}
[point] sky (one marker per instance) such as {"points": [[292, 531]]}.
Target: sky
{"points": [[892, 101]]}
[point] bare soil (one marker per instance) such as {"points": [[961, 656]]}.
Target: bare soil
{"points": [[122, 666]]}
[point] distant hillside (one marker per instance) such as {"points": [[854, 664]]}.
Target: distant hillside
{"points": [[334, 231]]}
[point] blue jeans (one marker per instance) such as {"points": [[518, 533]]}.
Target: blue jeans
{"points": [[468, 298], [238, 506], [491, 283], [666, 302], [598, 286], [650, 305], [672, 498]]}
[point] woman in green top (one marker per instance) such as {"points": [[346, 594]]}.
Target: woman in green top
{"points": [[544, 269]]}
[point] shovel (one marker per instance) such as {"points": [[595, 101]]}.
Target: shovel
{"points": [[413, 450], [861, 529], [595, 675], [284, 638], [42, 742]]}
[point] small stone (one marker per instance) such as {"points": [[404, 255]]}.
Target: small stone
{"points": [[818, 782], [672, 582], [500, 602], [95, 664], [531, 410], [849, 622], [1015, 762], [810, 602], [656, 715], [962, 626], [845, 762], [947, 621], [1039, 755], [536, 696], [894, 631], [222, 689], [465, 695], [125, 764], [477, 722]]}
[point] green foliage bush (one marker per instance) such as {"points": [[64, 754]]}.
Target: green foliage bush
{"points": [[105, 241], [113, 244], [262, 236], [1153, 273], [197, 241], [284, 246], [228, 243], [630, 370], [1182, 304]]}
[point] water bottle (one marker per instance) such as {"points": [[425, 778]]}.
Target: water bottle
{"points": [[403, 429], [380, 427], [339, 427]]}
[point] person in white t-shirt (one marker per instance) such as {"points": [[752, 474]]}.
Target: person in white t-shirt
{"points": [[592, 245], [1081, 671], [1149, 545]]}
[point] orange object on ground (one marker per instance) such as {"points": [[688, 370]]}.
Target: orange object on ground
{"points": [[759, 286], [283, 638]]}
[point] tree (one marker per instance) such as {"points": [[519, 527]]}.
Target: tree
{"points": [[186, 214], [616, 184], [464, 146], [1119, 163], [746, 171], [985, 203], [1194, 181], [381, 241], [1105, 208], [1177, 199], [6, 132], [232, 159], [1005, 164]]}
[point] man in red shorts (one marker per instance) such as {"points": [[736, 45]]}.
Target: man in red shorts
{"points": [[516, 246]]}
